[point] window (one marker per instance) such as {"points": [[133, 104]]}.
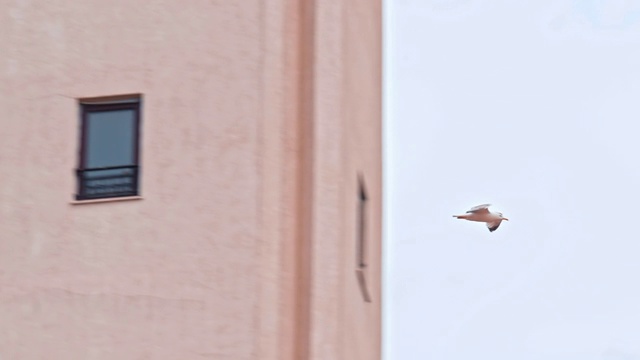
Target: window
{"points": [[109, 147], [362, 213], [361, 240]]}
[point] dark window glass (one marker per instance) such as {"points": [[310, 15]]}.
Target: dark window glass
{"points": [[110, 138], [109, 149]]}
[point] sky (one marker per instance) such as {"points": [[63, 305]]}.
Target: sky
{"points": [[532, 106]]}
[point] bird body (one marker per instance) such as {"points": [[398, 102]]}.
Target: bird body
{"points": [[481, 213]]}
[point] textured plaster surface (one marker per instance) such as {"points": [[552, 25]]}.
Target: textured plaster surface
{"points": [[347, 137], [204, 264], [172, 276]]}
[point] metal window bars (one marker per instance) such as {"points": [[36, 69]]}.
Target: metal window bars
{"points": [[107, 182]]}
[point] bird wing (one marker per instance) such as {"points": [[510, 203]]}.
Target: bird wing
{"points": [[493, 226], [480, 209]]}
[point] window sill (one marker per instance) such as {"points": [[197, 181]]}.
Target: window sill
{"points": [[95, 201]]}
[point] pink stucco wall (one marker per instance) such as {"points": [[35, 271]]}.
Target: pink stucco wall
{"points": [[168, 277], [207, 263], [348, 140]]}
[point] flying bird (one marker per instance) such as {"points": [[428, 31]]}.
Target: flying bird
{"points": [[481, 213]]}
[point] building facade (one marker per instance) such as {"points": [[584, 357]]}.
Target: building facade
{"points": [[190, 179]]}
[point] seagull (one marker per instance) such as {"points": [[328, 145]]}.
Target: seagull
{"points": [[481, 213]]}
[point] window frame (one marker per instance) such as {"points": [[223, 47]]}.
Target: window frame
{"points": [[361, 238], [107, 104], [362, 224]]}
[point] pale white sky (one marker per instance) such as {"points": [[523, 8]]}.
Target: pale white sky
{"points": [[533, 106]]}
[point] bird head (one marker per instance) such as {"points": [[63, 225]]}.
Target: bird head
{"points": [[502, 217]]}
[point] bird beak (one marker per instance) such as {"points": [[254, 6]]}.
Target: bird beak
{"points": [[505, 219]]}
